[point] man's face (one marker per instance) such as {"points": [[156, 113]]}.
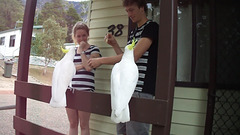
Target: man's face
{"points": [[134, 12]]}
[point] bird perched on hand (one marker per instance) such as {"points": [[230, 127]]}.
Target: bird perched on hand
{"points": [[62, 76], [124, 79]]}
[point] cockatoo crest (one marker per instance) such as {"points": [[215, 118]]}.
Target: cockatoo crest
{"points": [[132, 45], [64, 50]]}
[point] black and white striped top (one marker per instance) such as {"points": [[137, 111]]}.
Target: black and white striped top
{"points": [[84, 80], [147, 63]]}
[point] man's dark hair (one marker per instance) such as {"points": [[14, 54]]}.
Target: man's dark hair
{"points": [[140, 3]]}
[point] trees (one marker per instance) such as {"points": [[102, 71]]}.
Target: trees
{"points": [[55, 8], [84, 10], [48, 43], [71, 17], [11, 11], [58, 19]]}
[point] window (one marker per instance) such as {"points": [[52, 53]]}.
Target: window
{"points": [[184, 46], [2, 40], [193, 52], [153, 10], [33, 38], [12, 41]]}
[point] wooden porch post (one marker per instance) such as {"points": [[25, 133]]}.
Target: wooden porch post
{"points": [[167, 53], [23, 63], [212, 75]]}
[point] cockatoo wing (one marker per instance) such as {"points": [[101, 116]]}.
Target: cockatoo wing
{"points": [[123, 83], [115, 84], [128, 80], [62, 76]]}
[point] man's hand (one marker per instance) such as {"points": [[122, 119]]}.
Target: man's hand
{"points": [[109, 38], [94, 62]]}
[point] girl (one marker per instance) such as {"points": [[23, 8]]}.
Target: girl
{"points": [[84, 77]]}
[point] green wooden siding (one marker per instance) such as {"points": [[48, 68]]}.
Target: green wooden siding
{"points": [[189, 111], [104, 13]]}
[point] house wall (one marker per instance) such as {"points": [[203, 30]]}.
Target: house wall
{"points": [[104, 13], [189, 109], [7, 51]]}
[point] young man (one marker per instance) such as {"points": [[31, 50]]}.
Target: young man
{"points": [[145, 54]]}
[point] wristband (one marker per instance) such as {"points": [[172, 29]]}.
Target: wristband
{"points": [[83, 52]]}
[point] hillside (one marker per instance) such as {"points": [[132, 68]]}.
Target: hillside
{"points": [[40, 4]]}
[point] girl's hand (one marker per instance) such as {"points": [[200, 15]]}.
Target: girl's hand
{"points": [[82, 44]]}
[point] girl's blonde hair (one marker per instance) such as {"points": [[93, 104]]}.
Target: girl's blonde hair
{"points": [[79, 25]]}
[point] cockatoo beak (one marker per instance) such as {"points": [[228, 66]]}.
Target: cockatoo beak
{"points": [[131, 46], [64, 50]]}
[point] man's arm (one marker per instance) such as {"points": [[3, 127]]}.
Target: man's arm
{"points": [[96, 62], [141, 47], [85, 60]]}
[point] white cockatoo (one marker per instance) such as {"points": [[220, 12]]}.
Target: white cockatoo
{"points": [[124, 79], [62, 76]]}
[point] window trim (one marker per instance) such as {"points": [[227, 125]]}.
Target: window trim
{"points": [[12, 41], [194, 51], [2, 39], [191, 84]]}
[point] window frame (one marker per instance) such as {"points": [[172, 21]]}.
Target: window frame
{"points": [[12, 41], [2, 41], [191, 83]]}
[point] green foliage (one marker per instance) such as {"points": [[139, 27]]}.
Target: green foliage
{"points": [[47, 44], [65, 14], [84, 8], [55, 8], [36, 48], [11, 11], [71, 17], [58, 19]]}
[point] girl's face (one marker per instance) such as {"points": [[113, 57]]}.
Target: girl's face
{"points": [[81, 35]]}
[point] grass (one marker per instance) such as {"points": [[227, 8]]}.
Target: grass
{"points": [[37, 72]]}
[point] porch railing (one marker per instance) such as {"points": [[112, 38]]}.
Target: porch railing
{"points": [[157, 112]]}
